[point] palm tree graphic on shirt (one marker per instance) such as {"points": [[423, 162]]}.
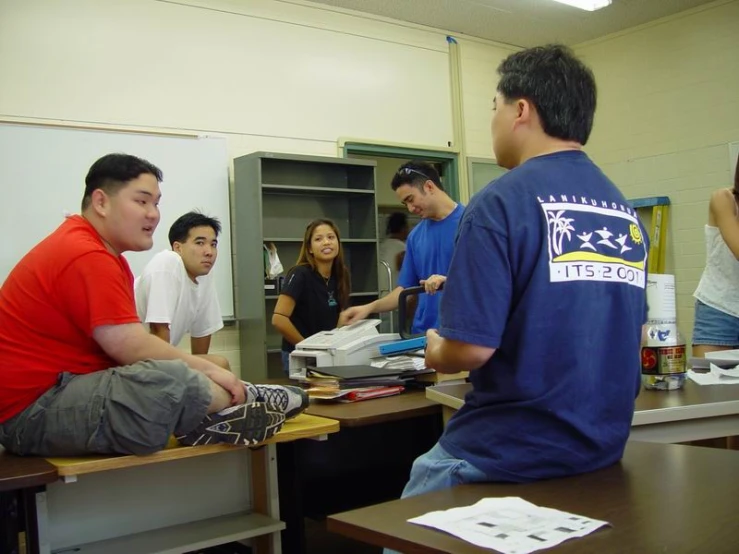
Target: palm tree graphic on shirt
{"points": [[561, 227]]}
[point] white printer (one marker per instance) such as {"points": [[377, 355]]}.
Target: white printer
{"points": [[354, 344]]}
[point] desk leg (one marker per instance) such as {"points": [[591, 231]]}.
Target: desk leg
{"points": [[37, 520], [265, 495], [447, 413], [291, 497], [29, 513], [10, 513]]}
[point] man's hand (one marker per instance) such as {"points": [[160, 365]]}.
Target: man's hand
{"points": [[354, 314], [433, 283], [228, 381], [433, 340]]}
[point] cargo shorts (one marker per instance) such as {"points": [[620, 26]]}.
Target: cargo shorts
{"points": [[123, 410]]}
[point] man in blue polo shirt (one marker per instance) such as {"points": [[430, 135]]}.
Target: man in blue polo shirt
{"points": [[545, 296], [429, 247]]}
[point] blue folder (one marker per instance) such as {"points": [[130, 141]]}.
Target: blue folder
{"points": [[402, 346]]}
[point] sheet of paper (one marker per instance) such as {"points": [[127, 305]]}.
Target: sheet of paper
{"points": [[400, 362], [723, 355], [717, 376], [725, 371], [661, 299], [510, 525]]}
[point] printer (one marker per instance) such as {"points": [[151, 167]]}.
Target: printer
{"points": [[355, 344]]}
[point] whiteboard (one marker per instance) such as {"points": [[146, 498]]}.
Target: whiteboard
{"points": [[43, 169], [226, 65]]}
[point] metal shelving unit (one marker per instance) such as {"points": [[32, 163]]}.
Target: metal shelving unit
{"points": [[275, 197]]}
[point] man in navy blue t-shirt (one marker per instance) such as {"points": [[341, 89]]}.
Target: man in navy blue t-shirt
{"points": [[545, 295], [428, 249]]}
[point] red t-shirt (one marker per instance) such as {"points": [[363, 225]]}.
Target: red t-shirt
{"points": [[49, 306]]}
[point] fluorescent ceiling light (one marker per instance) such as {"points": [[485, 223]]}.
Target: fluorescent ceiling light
{"points": [[589, 5]]}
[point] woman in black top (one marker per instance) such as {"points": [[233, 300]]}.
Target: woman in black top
{"points": [[315, 290]]}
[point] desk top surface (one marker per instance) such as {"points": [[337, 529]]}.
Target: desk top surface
{"points": [[302, 427], [377, 410], [660, 498], [691, 402], [18, 472]]}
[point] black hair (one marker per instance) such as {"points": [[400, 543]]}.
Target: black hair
{"points": [[396, 222], [560, 86], [180, 229], [416, 173], [112, 172]]}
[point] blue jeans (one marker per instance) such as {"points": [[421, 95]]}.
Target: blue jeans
{"points": [[714, 327], [437, 470]]}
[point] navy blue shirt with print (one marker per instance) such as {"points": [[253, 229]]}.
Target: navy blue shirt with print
{"points": [[549, 269]]}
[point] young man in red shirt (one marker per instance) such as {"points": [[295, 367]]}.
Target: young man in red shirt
{"points": [[79, 373]]}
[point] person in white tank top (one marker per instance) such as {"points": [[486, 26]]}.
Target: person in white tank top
{"points": [[717, 296]]}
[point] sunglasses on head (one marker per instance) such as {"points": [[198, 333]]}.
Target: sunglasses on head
{"points": [[409, 171]]}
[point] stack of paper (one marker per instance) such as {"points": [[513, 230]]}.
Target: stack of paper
{"points": [[351, 383], [717, 368], [408, 363], [510, 525]]}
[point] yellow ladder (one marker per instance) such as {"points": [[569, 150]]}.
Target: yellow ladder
{"points": [[658, 230]]}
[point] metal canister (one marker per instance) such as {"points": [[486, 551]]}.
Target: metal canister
{"points": [[663, 367]]}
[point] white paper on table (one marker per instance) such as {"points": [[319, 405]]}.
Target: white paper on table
{"points": [[717, 376], [510, 525], [723, 355], [732, 372]]}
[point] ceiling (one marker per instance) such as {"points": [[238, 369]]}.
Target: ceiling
{"points": [[520, 22]]}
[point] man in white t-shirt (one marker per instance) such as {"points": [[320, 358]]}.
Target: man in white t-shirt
{"points": [[175, 294]]}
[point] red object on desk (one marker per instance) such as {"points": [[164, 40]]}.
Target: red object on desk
{"points": [[359, 395]]}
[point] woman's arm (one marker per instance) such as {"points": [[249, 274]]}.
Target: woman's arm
{"points": [[723, 209], [281, 319]]}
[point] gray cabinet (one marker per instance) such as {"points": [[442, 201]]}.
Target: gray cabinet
{"points": [[275, 197]]}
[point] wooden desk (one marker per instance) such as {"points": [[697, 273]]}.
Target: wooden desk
{"points": [[20, 479], [694, 412], [177, 500], [367, 462], [18, 472], [378, 410], [660, 498]]}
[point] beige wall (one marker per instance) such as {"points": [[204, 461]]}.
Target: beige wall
{"points": [[479, 79], [668, 106]]}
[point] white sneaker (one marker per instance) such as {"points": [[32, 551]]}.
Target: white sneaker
{"points": [[242, 424], [285, 399]]}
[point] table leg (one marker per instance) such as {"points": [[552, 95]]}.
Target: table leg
{"points": [[447, 413], [37, 518], [9, 516], [291, 486], [265, 495]]}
